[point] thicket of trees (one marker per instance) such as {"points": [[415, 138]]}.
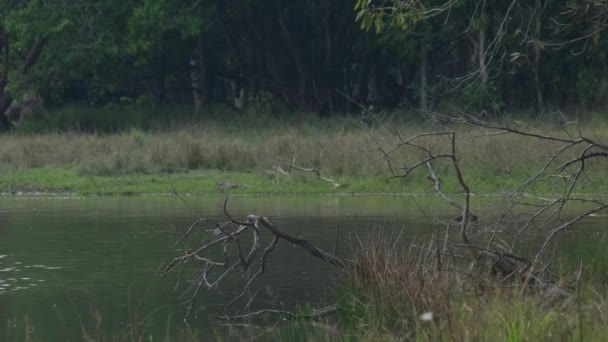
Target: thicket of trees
{"points": [[325, 56]]}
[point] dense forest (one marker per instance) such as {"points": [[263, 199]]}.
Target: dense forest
{"points": [[323, 56]]}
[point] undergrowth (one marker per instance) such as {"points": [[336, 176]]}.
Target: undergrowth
{"points": [[397, 294]]}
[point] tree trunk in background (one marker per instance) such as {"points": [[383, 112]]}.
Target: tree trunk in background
{"points": [[5, 98], [327, 61], [238, 95], [423, 80], [198, 76], [161, 75], [483, 28], [270, 63], [195, 79], [408, 74], [301, 100], [364, 81], [203, 74], [537, 52], [30, 59], [5, 102]]}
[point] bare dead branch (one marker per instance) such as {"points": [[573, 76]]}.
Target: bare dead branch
{"points": [[562, 227], [312, 170], [525, 214], [467, 216], [317, 313], [229, 234], [547, 211], [305, 244], [279, 169]]}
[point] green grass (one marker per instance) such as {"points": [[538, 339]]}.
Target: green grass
{"points": [[69, 181]]}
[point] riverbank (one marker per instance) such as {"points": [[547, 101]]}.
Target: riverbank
{"points": [[347, 153], [54, 181]]}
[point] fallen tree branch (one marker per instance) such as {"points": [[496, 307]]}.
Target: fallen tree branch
{"points": [[317, 313], [466, 215], [228, 234], [279, 168]]}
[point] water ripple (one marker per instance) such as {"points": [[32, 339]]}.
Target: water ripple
{"points": [[29, 275]]}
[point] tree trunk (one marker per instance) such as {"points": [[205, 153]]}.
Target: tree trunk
{"points": [[198, 76], [302, 101], [269, 61], [483, 27], [5, 102], [536, 68], [363, 95], [33, 55], [161, 87], [202, 61], [5, 97], [4, 48], [329, 74], [423, 80], [408, 74], [195, 79], [200, 86], [238, 95], [30, 59]]}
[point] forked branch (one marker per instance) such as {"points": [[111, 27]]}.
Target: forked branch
{"points": [[226, 236], [413, 142]]}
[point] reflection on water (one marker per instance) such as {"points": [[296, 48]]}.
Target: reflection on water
{"points": [[15, 276], [66, 261]]}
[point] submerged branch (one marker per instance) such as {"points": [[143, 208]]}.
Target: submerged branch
{"points": [[226, 237], [317, 313]]}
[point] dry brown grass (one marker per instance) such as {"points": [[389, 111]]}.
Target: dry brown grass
{"points": [[339, 151], [398, 293]]}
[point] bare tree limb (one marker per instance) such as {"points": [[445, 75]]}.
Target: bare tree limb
{"points": [[317, 313], [228, 234]]}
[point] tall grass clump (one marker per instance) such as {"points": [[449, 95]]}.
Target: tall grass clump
{"points": [[390, 290], [396, 293]]}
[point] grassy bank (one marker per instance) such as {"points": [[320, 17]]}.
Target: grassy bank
{"points": [[201, 155], [400, 295]]}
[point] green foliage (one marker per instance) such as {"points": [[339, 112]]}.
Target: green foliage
{"points": [[111, 118], [592, 87], [326, 58], [153, 20], [404, 14], [478, 97]]}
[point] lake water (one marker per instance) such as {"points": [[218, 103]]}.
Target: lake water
{"points": [[64, 262]]}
